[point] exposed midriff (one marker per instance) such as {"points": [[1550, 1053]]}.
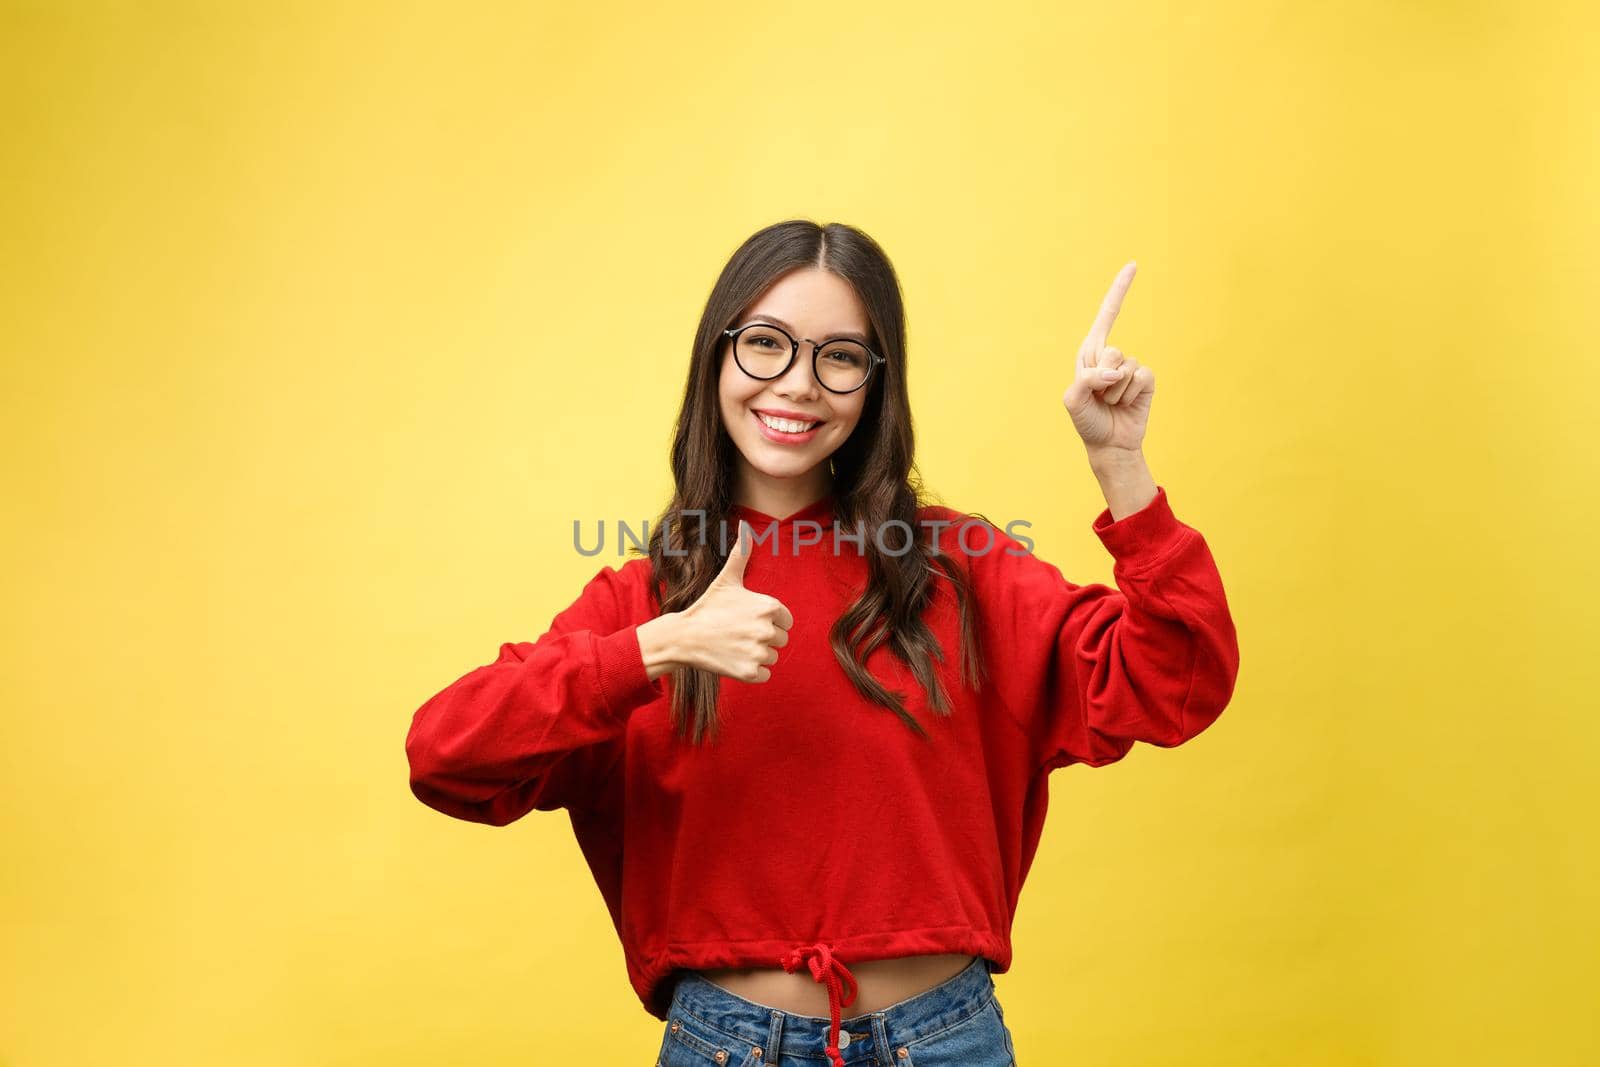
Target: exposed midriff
{"points": [[880, 983]]}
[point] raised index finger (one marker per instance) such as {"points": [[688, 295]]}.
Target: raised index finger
{"points": [[1101, 330]]}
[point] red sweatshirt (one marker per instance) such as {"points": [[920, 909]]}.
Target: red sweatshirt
{"points": [[820, 830]]}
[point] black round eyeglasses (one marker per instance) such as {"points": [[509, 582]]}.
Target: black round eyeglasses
{"points": [[765, 351]]}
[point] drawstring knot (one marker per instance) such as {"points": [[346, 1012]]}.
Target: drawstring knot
{"points": [[836, 976]]}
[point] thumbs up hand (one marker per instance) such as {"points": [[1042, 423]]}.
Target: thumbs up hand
{"points": [[730, 630]]}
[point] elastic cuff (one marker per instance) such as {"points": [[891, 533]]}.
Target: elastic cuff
{"points": [[624, 682], [1145, 538]]}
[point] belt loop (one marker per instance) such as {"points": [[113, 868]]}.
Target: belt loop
{"points": [[774, 1049], [882, 1054]]}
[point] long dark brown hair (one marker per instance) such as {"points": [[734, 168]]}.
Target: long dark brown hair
{"points": [[875, 480]]}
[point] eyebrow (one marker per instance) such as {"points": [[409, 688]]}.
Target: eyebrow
{"points": [[848, 335]]}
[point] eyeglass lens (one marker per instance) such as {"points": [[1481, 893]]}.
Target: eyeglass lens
{"points": [[764, 352]]}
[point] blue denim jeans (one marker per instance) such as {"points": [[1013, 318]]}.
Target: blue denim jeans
{"points": [[957, 1023]]}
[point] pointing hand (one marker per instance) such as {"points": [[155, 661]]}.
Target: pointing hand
{"points": [[1110, 410]]}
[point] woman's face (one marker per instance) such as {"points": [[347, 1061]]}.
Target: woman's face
{"points": [[811, 304]]}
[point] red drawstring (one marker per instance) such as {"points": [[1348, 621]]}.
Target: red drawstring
{"points": [[833, 974]]}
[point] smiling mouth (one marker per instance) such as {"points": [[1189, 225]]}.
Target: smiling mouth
{"points": [[788, 425]]}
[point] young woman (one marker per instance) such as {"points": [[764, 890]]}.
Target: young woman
{"points": [[804, 743]]}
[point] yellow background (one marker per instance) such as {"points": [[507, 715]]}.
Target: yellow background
{"points": [[323, 322]]}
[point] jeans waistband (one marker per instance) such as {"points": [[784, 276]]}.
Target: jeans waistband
{"points": [[873, 1036]]}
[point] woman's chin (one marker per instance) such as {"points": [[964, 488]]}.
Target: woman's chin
{"points": [[783, 466]]}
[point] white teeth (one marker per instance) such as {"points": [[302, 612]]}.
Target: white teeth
{"points": [[785, 425]]}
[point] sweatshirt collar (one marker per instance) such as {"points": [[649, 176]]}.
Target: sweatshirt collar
{"points": [[820, 511]]}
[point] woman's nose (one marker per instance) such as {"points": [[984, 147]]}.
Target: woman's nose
{"points": [[800, 380]]}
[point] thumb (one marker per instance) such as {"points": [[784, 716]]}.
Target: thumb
{"points": [[733, 570], [1090, 380]]}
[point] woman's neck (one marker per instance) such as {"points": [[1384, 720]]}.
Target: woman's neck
{"points": [[781, 497]]}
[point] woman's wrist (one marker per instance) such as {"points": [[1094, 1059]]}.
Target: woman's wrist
{"points": [[661, 643], [1125, 480]]}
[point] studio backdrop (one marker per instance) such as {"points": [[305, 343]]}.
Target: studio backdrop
{"points": [[324, 322]]}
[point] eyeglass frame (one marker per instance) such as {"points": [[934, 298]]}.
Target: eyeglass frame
{"points": [[733, 332]]}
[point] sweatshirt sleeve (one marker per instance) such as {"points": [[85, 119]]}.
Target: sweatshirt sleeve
{"points": [[1087, 669], [538, 727]]}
